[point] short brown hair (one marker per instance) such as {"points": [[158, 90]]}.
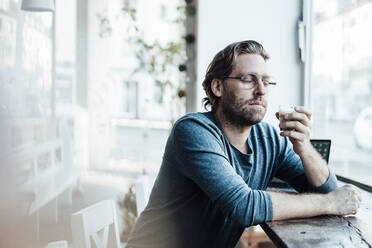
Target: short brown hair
{"points": [[223, 64]]}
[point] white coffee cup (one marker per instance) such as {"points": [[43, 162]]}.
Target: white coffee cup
{"points": [[283, 110]]}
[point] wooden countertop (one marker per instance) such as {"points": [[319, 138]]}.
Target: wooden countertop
{"points": [[325, 231]]}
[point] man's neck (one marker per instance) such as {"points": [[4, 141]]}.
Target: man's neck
{"points": [[237, 135]]}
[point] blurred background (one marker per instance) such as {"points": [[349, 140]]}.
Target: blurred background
{"points": [[90, 89]]}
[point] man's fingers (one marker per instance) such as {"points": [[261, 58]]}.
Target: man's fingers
{"points": [[358, 193], [348, 198], [355, 188], [356, 196], [277, 115], [296, 125], [360, 197], [302, 109], [293, 134], [296, 116]]}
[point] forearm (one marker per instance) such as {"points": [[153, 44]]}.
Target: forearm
{"points": [[342, 201], [315, 167], [289, 206], [297, 126]]}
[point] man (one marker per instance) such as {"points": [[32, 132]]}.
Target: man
{"points": [[217, 165]]}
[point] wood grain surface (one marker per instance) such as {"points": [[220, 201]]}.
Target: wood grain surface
{"points": [[325, 231]]}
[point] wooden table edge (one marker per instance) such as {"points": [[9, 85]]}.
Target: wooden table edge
{"points": [[273, 236]]}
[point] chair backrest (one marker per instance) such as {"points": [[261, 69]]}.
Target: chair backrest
{"points": [[57, 244], [96, 226], [144, 185]]}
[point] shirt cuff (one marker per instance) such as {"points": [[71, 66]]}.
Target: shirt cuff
{"points": [[328, 186], [269, 207]]}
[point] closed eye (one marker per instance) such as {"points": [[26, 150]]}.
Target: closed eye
{"points": [[249, 78]]}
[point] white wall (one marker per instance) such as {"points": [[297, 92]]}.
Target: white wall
{"points": [[273, 23]]}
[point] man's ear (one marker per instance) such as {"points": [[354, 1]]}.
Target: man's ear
{"points": [[216, 87]]}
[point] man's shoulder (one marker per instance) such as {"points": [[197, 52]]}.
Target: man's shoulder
{"points": [[196, 119], [197, 124], [201, 116]]}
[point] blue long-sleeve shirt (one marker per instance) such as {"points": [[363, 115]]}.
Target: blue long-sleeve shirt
{"points": [[207, 191]]}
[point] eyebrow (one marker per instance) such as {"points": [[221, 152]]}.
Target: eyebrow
{"points": [[254, 74]]}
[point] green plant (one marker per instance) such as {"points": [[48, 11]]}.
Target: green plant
{"points": [[129, 209], [161, 61]]}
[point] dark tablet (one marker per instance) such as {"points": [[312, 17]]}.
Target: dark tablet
{"points": [[323, 146]]}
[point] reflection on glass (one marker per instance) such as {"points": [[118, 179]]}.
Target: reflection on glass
{"points": [[341, 90]]}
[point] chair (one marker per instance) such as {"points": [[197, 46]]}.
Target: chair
{"points": [[57, 244], [97, 225], [254, 237]]}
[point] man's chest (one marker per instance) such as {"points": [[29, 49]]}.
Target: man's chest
{"points": [[253, 169]]}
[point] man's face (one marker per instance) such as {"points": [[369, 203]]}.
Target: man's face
{"points": [[242, 105]]}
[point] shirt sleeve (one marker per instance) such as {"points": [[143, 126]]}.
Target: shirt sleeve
{"points": [[200, 157], [290, 169]]}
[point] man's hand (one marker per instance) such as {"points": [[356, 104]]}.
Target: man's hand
{"points": [[342, 201], [345, 200], [299, 123]]}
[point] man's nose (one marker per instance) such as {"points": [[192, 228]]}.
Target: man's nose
{"points": [[260, 88]]}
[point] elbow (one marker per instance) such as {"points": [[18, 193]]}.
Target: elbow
{"points": [[250, 213], [242, 219], [247, 208], [247, 220], [330, 185]]}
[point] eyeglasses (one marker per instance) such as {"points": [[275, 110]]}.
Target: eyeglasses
{"points": [[251, 80]]}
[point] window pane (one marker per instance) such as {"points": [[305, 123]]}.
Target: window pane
{"points": [[341, 87], [134, 50]]}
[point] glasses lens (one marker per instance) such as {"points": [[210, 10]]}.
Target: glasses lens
{"points": [[249, 78]]}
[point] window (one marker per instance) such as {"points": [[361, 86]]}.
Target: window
{"points": [[341, 84], [65, 53], [130, 95]]}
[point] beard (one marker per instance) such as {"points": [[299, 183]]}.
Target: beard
{"points": [[239, 112]]}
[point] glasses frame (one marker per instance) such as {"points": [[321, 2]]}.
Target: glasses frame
{"points": [[241, 78]]}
